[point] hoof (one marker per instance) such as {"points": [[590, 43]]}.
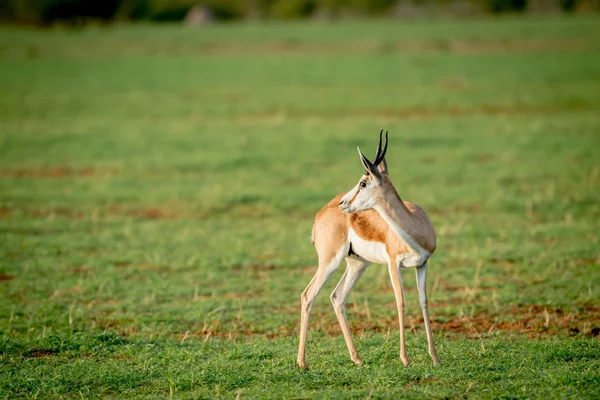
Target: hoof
{"points": [[406, 362], [357, 361], [303, 365]]}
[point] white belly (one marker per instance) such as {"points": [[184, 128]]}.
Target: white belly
{"points": [[371, 251]]}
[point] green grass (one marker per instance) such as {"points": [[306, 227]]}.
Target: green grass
{"points": [[158, 185]]}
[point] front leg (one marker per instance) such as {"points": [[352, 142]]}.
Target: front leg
{"points": [[396, 277], [421, 285]]}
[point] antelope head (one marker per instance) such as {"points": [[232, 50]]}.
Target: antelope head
{"points": [[370, 187]]}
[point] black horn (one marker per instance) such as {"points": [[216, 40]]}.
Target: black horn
{"points": [[378, 152], [381, 154]]}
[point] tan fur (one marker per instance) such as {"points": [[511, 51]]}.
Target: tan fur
{"points": [[331, 226], [329, 230], [410, 216]]}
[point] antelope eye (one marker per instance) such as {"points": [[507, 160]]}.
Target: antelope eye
{"points": [[362, 184]]}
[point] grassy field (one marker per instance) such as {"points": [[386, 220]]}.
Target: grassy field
{"points": [[158, 186]]}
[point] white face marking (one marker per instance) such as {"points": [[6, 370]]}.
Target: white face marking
{"points": [[371, 251], [360, 198]]}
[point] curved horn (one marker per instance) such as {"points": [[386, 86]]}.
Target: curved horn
{"points": [[381, 154], [378, 147]]}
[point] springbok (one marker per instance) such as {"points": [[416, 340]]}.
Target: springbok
{"points": [[369, 224]]}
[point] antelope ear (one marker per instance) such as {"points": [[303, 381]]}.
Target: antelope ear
{"points": [[369, 167], [382, 167]]}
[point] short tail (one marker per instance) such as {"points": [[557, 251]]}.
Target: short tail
{"points": [[312, 235]]}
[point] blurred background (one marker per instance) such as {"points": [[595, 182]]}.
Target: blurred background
{"points": [[161, 163], [201, 12]]}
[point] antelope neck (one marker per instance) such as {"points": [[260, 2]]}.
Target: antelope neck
{"points": [[398, 217]]}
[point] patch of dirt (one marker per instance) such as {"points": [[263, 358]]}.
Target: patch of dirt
{"points": [[153, 213], [450, 111], [447, 286], [506, 262], [62, 292], [484, 158], [4, 211], [123, 264], [260, 267], [448, 303], [388, 289], [259, 272], [454, 84], [144, 267], [420, 112], [235, 295], [62, 212], [587, 261], [150, 213], [122, 328], [99, 300], [264, 272], [40, 353], [51, 172], [534, 321], [514, 46], [472, 46], [6, 277]]}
